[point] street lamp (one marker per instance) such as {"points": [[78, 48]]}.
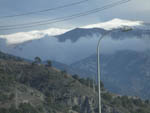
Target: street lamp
{"points": [[124, 29]]}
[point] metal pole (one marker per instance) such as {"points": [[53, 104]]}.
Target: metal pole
{"points": [[99, 72], [124, 29], [98, 76]]}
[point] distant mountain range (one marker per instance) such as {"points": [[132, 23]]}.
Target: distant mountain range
{"points": [[70, 46], [125, 55], [124, 72]]}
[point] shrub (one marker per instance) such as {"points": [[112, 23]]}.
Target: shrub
{"points": [[76, 108]]}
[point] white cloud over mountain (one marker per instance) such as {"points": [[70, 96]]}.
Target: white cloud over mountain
{"points": [[115, 23], [21, 37], [27, 36]]}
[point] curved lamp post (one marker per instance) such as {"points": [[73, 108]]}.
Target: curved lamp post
{"points": [[124, 29]]}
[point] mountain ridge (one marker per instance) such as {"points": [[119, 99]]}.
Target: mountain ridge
{"points": [[123, 72], [26, 36]]}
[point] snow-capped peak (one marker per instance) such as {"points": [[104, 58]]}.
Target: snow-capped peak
{"points": [[21, 37], [115, 23]]}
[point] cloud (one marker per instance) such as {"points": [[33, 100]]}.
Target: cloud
{"points": [[134, 10], [21, 37], [115, 23]]}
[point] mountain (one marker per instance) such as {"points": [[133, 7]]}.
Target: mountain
{"points": [[69, 46], [74, 51], [123, 72], [75, 34], [22, 37], [115, 23], [36, 88], [10, 57]]}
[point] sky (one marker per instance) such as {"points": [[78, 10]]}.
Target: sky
{"points": [[133, 10]]}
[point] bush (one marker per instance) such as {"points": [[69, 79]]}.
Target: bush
{"points": [[27, 108], [4, 98], [138, 102], [107, 96], [49, 63], [76, 108]]}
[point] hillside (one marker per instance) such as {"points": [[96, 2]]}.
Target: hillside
{"points": [[123, 72], [35, 88], [9, 57]]}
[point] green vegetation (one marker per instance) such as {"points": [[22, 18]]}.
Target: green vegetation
{"points": [[49, 63], [133, 105], [23, 108], [28, 88], [76, 108], [9, 57]]}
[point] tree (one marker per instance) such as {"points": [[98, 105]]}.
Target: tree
{"points": [[75, 76], [63, 72], [107, 96], [49, 63], [76, 108], [37, 60], [147, 101]]}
